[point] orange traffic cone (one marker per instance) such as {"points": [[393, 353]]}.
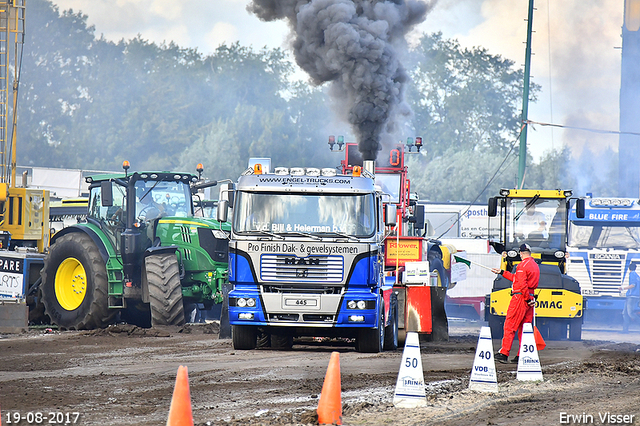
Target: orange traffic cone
{"points": [[180, 411], [330, 404]]}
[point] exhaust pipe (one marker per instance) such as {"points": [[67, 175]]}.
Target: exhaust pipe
{"points": [[370, 166]]}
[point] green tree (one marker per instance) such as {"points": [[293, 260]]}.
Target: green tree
{"points": [[56, 60], [461, 176], [466, 105], [464, 99], [90, 103], [292, 136]]}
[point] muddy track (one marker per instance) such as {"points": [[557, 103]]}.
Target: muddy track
{"points": [[125, 375]]}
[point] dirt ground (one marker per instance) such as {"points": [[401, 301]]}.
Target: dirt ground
{"points": [[125, 376]]}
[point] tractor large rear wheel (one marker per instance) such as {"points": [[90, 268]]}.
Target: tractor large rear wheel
{"points": [[74, 284], [165, 290]]}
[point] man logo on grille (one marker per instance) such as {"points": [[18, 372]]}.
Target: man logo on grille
{"points": [[302, 273], [301, 261]]}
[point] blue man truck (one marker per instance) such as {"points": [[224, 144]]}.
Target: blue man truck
{"points": [[317, 253], [306, 259]]}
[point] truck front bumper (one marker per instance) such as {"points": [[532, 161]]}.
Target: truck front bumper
{"points": [[351, 309]]}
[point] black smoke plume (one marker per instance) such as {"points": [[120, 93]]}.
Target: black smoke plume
{"points": [[353, 44]]}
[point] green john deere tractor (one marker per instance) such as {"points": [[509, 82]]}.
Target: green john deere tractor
{"points": [[141, 252]]}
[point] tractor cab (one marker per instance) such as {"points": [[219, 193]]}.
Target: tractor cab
{"points": [[135, 202]]}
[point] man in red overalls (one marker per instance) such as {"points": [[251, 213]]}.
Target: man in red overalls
{"points": [[520, 311]]}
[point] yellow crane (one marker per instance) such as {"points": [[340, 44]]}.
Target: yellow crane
{"points": [[24, 212]]}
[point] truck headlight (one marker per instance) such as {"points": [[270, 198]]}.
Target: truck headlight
{"points": [[559, 254], [357, 304], [245, 316], [242, 302], [356, 318]]}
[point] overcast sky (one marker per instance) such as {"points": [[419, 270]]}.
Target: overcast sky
{"points": [[576, 47]]}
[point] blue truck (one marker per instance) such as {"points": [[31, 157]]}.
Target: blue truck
{"points": [[306, 258], [601, 247]]}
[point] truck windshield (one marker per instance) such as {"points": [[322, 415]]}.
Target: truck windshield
{"points": [[541, 223], [318, 214], [603, 236]]}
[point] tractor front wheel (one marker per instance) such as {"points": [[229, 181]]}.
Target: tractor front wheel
{"points": [[74, 284], [165, 289]]}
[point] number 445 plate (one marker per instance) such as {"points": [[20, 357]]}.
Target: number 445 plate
{"points": [[302, 302]]}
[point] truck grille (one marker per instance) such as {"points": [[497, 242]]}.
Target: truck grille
{"points": [[606, 274], [279, 267], [306, 289]]}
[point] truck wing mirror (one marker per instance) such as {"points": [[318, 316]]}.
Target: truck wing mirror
{"points": [[227, 193], [232, 196], [419, 215], [580, 209], [390, 213], [492, 210], [106, 193], [223, 210]]}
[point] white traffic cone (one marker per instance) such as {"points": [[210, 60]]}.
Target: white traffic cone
{"points": [[483, 374], [410, 391], [529, 367]]}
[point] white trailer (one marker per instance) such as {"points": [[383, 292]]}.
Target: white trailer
{"points": [[457, 220]]}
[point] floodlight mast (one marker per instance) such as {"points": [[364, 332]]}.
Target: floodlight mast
{"points": [[522, 159]]}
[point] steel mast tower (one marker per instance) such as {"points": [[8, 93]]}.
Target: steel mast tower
{"points": [[629, 144], [522, 156]]}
